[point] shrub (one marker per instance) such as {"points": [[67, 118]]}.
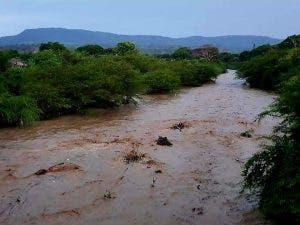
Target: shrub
{"points": [[194, 73], [259, 51], [264, 66], [264, 71], [144, 63], [92, 50], [164, 81], [17, 110], [182, 53], [275, 172], [70, 88], [5, 56], [290, 42], [125, 48], [46, 58], [57, 81], [52, 46]]}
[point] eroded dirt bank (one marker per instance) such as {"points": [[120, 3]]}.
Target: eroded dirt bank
{"points": [[83, 178]]}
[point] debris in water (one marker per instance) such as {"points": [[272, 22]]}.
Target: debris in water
{"points": [[151, 163], [41, 172], [247, 133], [179, 126], [58, 168], [133, 156], [153, 182], [198, 211], [63, 167], [108, 195], [164, 141], [158, 171]]}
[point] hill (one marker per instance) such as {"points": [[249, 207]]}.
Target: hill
{"points": [[77, 37]]}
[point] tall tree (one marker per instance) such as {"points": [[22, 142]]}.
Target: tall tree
{"points": [[93, 50], [125, 48], [53, 46]]}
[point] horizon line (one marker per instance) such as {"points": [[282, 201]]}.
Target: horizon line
{"points": [[157, 35]]}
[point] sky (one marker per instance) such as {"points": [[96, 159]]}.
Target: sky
{"points": [[173, 18]]}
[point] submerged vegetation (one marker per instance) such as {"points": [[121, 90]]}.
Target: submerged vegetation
{"points": [[275, 172], [57, 81]]}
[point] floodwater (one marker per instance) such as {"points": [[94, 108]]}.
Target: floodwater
{"points": [[84, 179]]}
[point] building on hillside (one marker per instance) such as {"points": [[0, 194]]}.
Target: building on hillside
{"points": [[17, 63]]}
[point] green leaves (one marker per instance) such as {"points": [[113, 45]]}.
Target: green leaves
{"points": [[18, 110], [125, 48], [57, 81], [91, 50], [183, 53], [195, 73], [275, 172], [162, 81], [52, 46]]}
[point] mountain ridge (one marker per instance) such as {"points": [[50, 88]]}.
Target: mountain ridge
{"points": [[78, 37]]}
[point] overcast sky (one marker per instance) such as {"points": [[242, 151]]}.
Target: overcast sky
{"points": [[175, 18]]}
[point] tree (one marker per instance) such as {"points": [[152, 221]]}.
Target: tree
{"points": [[109, 51], [93, 50], [46, 58], [125, 48], [183, 53], [259, 51], [274, 172], [53, 46], [207, 52], [290, 42], [5, 56]]}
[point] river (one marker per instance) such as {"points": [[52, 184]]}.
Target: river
{"points": [[84, 179]]}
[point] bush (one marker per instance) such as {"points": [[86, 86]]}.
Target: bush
{"points": [[17, 110], [265, 71], [92, 50], [125, 48], [230, 60], [93, 82], [163, 81], [290, 42], [264, 66], [57, 81], [194, 73], [52, 46], [183, 53], [259, 51], [5, 56], [144, 63], [275, 172], [46, 58]]}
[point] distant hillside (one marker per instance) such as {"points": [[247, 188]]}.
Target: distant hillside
{"points": [[147, 43]]}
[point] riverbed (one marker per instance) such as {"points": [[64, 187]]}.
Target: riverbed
{"points": [[73, 170]]}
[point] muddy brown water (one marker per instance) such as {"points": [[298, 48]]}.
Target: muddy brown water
{"points": [[85, 179]]}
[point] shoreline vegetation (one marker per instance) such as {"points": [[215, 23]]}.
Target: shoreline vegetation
{"points": [[275, 171], [57, 81]]}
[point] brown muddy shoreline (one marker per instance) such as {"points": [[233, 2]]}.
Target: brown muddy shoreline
{"points": [[86, 180]]}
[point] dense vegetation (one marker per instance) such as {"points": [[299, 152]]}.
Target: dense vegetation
{"points": [[275, 172], [56, 81]]}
